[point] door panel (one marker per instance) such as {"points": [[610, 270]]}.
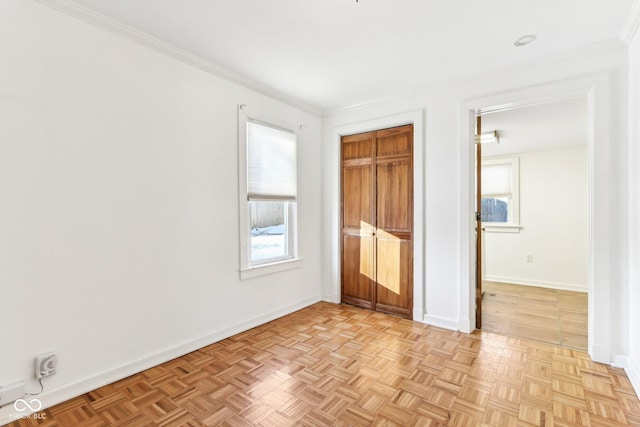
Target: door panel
{"points": [[357, 220], [394, 215], [394, 273], [358, 146], [394, 141], [357, 270], [394, 193], [356, 211]]}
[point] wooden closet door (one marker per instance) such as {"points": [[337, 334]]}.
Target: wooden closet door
{"points": [[358, 219], [377, 220], [393, 239]]}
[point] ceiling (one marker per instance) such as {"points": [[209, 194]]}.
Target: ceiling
{"points": [[551, 126], [331, 54]]}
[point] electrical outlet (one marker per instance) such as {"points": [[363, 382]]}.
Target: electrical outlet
{"points": [[46, 365], [528, 257], [11, 392]]}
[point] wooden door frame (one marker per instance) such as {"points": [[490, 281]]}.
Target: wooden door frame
{"points": [[479, 229], [416, 117], [597, 89]]}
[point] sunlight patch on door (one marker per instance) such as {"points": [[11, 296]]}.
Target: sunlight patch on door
{"points": [[388, 261], [387, 257], [366, 266]]}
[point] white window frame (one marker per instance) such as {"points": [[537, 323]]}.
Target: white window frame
{"points": [[248, 268], [513, 223]]}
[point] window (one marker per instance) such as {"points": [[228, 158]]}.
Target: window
{"points": [[269, 231], [495, 209], [500, 194], [268, 195]]}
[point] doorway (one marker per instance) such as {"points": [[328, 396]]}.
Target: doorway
{"points": [[377, 220], [534, 222]]}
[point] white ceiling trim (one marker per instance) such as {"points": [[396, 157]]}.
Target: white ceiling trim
{"points": [[631, 24], [533, 102], [360, 106], [140, 37]]}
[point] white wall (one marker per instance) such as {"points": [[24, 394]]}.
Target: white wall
{"points": [[554, 215], [446, 249], [633, 366], [119, 219], [118, 166]]}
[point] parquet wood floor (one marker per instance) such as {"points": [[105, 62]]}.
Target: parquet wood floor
{"points": [[345, 366], [548, 315]]}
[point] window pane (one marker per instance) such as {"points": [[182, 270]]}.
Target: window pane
{"points": [[495, 209], [269, 230]]}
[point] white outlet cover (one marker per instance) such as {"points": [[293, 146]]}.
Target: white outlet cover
{"points": [[46, 365]]}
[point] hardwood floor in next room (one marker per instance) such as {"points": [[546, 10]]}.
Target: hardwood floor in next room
{"points": [[341, 365], [549, 315]]}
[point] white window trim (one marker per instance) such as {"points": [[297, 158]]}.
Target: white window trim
{"points": [[513, 226], [247, 268]]}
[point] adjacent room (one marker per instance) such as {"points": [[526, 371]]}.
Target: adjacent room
{"points": [[264, 213], [535, 223]]}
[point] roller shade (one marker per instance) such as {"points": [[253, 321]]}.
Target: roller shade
{"points": [[496, 179], [271, 163]]}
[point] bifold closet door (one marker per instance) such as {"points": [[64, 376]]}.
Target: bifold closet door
{"points": [[377, 220]]}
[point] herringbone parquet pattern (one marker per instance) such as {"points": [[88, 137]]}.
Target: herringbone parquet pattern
{"points": [[339, 365]]}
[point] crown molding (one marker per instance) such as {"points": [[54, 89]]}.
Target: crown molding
{"points": [[631, 24], [359, 106], [103, 22]]}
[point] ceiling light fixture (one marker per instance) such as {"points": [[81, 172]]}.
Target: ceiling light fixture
{"points": [[488, 137], [525, 40]]}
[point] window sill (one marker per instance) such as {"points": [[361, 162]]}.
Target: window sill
{"points": [[264, 269], [501, 228]]}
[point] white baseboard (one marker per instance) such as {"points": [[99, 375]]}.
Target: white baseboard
{"points": [[464, 325], [629, 366], [331, 298], [600, 354], [538, 283], [619, 361], [49, 398], [441, 322], [633, 372]]}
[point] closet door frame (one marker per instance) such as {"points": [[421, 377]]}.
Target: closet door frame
{"points": [[332, 209]]}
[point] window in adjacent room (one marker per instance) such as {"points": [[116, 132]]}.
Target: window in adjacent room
{"points": [[500, 194]]}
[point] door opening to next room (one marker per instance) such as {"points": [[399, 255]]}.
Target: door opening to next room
{"points": [[534, 222]]}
